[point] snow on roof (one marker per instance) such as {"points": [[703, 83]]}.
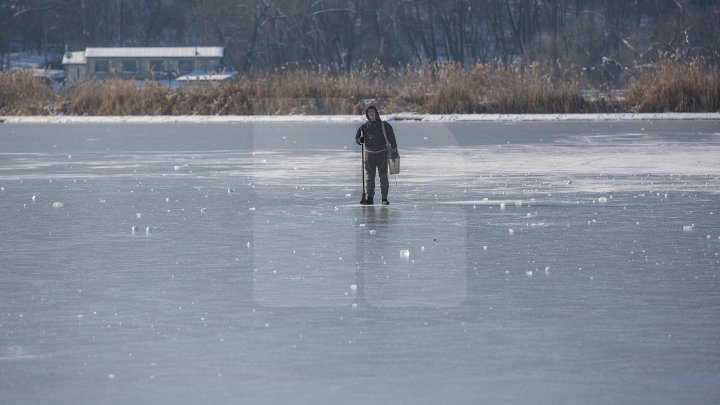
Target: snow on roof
{"points": [[74, 58], [156, 52], [206, 76], [52, 74]]}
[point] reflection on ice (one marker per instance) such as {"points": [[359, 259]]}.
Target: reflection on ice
{"points": [[303, 256]]}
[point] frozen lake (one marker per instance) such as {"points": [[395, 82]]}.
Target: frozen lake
{"points": [[520, 262]]}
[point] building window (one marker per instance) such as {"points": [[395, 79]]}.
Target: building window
{"points": [[102, 66], [186, 66], [129, 66], [157, 66]]}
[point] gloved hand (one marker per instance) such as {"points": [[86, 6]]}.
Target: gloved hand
{"points": [[362, 139]]}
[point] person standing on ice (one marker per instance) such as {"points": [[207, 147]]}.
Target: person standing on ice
{"points": [[377, 136]]}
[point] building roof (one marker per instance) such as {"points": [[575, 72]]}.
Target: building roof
{"points": [[156, 52], [74, 58]]}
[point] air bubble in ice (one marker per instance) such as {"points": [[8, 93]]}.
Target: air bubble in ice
{"points": [[404, 254], [373, 232], [57, 204], [602, 199]]}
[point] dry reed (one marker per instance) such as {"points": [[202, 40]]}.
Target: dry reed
{"points": [[439, 87], [676, 87]]}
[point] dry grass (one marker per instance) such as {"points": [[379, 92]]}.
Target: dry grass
{"points": [[676, 87], [23, 94], [439, 88]]}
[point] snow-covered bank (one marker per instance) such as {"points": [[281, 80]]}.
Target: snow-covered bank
{"points": [[352, 118]]}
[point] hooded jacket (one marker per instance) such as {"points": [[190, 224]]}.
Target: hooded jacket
{"points": [[373, 133]]}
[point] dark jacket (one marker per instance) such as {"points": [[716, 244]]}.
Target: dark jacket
{"points": [[373, 134]]}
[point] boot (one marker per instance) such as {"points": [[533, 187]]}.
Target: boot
{"points": [[369, 201], [385, 201]]}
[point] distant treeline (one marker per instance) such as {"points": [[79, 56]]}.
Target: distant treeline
{"points": [[437, 87], [606, 38]]}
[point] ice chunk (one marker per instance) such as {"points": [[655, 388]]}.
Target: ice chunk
{"points": [[404, 254], [602, 200], [373, 232], [502, 205], [57, 204], [688, 228], [510, 231]]}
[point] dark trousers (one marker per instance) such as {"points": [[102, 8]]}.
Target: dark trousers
{"points": [[376, 161]]}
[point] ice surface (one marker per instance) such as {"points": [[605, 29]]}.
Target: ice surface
{"points": [[260, 279]]}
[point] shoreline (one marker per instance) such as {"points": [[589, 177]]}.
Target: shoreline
{"points": [[399, 117]]}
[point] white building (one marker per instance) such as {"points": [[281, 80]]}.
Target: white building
{"points": [[142, 63]]}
